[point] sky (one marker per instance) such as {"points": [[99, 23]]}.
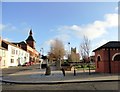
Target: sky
{"points": [[67, 21]]}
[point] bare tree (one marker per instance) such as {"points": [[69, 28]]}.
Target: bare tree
{"points": [[85, 50], [58, 51]]}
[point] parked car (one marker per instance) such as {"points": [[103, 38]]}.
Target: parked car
{"points": [[26, 64], [31, 62]]}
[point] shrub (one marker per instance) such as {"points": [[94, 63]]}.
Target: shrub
{"points": [[82, 66], [65, 64]]}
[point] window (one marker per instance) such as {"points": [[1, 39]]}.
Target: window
{"points": [[19, 52], [4, 63], [16, 52], [98, 58], [12, 60], [25, 58], [3, 53], [13, 51], [26, 55], [117, 58]]}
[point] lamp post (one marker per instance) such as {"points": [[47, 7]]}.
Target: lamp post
{"points": [[59, 59], [68, 51], [89, 65], [42, 51], [69, 46]]}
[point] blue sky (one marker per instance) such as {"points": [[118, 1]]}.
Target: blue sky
{"points": [[68, 22]]}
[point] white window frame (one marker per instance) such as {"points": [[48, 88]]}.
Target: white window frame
{"points": [[115, 55]]}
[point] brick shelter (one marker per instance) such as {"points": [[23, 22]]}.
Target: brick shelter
{"points": [[107, 57]]}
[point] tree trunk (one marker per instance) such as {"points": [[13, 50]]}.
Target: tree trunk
{"points": [[58, 64]]}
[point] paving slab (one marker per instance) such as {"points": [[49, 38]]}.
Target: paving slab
{"points": [[38, 76]]}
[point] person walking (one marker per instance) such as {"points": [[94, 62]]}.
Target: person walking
{"points": [[63, 71]]}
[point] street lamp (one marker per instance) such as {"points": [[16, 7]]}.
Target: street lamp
{"points": [[68, 51], [89, 65], [42, 51], [69, 46]]}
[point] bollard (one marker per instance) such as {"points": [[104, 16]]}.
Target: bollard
{"points": [[74, 72]]}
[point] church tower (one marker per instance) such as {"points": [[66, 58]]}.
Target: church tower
{"points": [[30, 41], [73, 50]]}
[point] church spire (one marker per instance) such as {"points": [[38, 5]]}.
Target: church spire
{"points": [[30, 37], [30, 41], [30, 32]]}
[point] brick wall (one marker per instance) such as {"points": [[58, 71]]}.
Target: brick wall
{"points": [[103, 64]]}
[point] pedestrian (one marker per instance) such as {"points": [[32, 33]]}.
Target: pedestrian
{"points": [[63, 71]]}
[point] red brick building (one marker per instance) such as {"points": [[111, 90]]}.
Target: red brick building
{"points": [[107, 57]]}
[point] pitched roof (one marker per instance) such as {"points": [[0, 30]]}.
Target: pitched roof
{"points": [[110, 44], [30, 38], [22, 42], [4, 41], [9, 43], [3, 48]]}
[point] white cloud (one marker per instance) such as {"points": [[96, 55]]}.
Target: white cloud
{"points": [[111, 20], [7, 27], [7, 39], [93, 30], [2, 27], [46, 46], [62, 37], [116, 8], [100, 43], [49, 42], [10, 28]]}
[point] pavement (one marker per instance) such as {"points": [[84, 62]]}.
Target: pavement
{"points": [[37, 76]]}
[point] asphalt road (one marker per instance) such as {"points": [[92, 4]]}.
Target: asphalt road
{"points": [[69, 86]]}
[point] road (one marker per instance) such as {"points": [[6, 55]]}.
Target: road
{"points": [[69, 86]]}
